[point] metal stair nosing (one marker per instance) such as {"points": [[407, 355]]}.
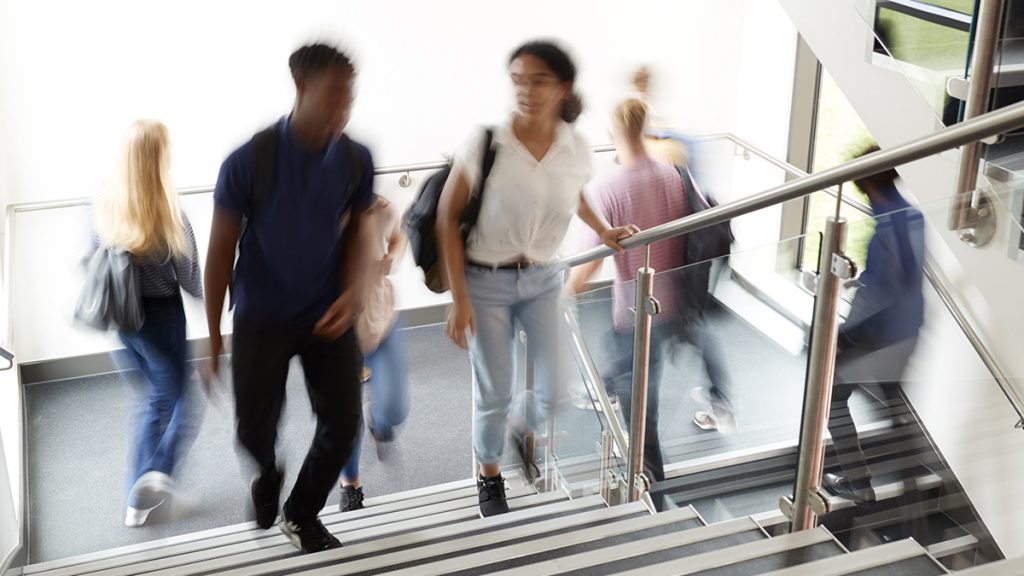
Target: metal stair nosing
{"points": [[874, 519], [78, 559], [377, 505], [953, 546], [1011, 567], [593, 534], [418, 547], [889, 491], [419, 542], [861, 560], [783, 467], [684, 463], [271, 544], [733, 555]]}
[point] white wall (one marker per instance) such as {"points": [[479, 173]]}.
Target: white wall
{"points": [[963, 409], [216, 72], [428, 72]]}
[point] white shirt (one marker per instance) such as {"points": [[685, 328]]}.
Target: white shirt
{"points": [[527, 204]]}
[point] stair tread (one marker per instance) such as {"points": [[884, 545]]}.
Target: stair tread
{"points": [[886, 560], [494, 558], [243, 537], [376, 502], [425, 543], [785, 551]]}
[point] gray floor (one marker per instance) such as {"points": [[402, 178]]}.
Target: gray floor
{"points": [[79, 432]]}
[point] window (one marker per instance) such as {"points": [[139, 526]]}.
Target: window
{"points": [[839, 134]]}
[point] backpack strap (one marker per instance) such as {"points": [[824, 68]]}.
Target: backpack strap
{"points": [[355, 163], [488, 158], [476, 199], [265, 142]]}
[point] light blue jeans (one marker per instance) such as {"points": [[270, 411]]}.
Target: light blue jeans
{"points": [[501, 298], [389, 393]]}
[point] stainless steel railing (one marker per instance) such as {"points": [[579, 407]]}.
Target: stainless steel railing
{"points": [[822, 350]]}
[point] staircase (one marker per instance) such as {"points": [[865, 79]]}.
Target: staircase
{"points": [[437, 530]]}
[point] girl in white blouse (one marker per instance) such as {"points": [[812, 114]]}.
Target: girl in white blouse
{"points": [[503, 273]]}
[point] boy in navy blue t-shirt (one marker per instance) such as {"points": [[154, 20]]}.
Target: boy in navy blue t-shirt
{"points": [[293, 287]]}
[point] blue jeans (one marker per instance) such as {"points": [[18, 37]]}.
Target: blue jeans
{"points": [[159, 351], [389, 390], [500, 298], [619, 378]]}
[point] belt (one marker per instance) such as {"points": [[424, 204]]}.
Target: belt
{"points": [[517, 265]]}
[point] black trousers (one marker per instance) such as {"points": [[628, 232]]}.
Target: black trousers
{"points": [[619, 377], [259, 362], [841, 425]]}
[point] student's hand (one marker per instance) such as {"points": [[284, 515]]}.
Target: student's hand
{"points": [[340, 317], [209, 371], [612, 236], [460, 321]]}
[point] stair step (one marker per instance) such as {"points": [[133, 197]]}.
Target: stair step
{"points": [[483, 534], [753, 558], [677, 527], [71, 565], [379, 512], [358, 551], [267, 545], [1014, 567], [371, 503], [896, 559]]}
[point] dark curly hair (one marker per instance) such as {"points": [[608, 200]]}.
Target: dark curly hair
{"points": [[883, 181], [562, 65], [315, 58]]}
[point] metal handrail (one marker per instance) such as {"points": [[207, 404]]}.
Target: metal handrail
{"points": [[983, 352], [934, 278], [980, 127], [208, 189]]}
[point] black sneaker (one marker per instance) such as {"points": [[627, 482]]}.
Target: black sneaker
{"points": [[309, 536], [266, 494], [860, 492], [492, 496], [351, 498]]}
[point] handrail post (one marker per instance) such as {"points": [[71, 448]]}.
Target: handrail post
{"points": [[646, 307], [821, 358], [964, 213]]}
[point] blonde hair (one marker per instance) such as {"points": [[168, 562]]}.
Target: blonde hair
{"points": [[630, 118], [139, 212]]}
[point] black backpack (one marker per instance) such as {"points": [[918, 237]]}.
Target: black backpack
{"points": [[420, 220], [265, 142], [702, 246]]}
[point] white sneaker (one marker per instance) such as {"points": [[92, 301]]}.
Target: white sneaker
{"points": [[148, 493], [583, 402], [722, 421]]}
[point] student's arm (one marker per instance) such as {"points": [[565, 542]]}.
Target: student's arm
{"points": [[580, 275], [220, 259], [342, 314], [609, 235], [397, 241], [230, 199], [453, 201]]}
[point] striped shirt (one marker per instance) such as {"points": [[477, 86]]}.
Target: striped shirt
{"points": [[160, 277], [646, 195]]}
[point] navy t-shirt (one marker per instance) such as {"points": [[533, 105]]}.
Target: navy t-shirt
{"points": [[288, 270]]}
